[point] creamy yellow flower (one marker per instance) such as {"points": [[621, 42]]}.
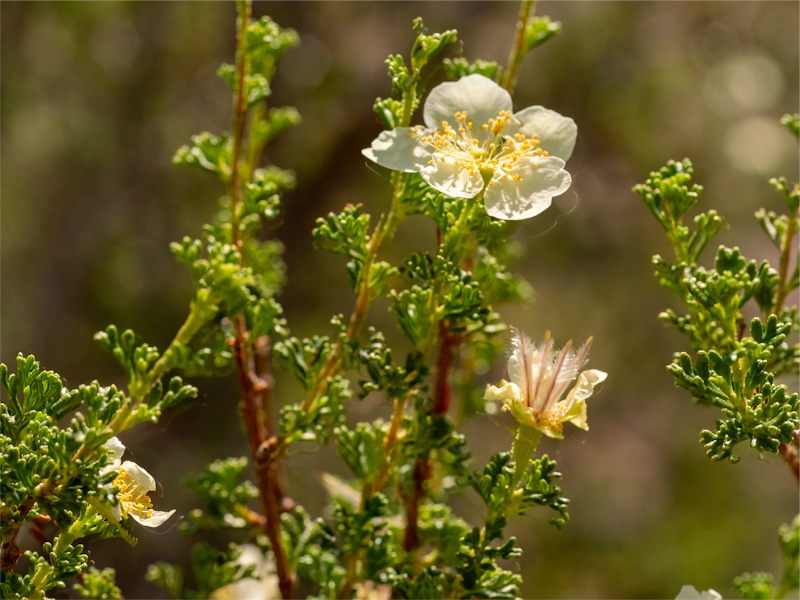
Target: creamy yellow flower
{"points": [[369, 590], [134, 485], [471, 142], [540, 376], [689, 592]]}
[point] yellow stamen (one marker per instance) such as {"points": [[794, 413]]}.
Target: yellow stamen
{"points": [[133, 499]]}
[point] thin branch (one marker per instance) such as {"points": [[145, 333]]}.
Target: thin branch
{"points": [[518, 49], [255, 390], [783, 268]]}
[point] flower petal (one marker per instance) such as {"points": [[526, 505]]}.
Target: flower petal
{"points": [[117, 449], [576, 399], [116, 512], [689, 592], [556, 132], [139, 476], [585, 384], [577, 415], [400, 149], [156, 518], [507, 393], [540, 180], [454, 180], [479, 96]]}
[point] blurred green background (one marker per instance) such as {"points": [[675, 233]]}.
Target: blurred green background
{"points": [[96, 97]]}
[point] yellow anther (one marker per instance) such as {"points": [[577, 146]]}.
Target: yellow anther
{"points": [[132, 498]]}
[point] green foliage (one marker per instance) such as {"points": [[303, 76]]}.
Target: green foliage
{"points": [[761, 586], [212, 569], [539, 30], [54, 464], [396, 381], [743, 388], [314, 423], [313, 551], [789, 539], [730, 371], [362, 448], [364, 531], [345, 234], [792, 122], [264, 44], [392, 112], [459, 67], [98, 584], [538, 488], [39, 457], [754, 586], [429, 583], [224, 495], [209, 152], [304, 358], [434, 432]]}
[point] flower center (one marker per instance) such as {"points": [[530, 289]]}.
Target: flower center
{"points": [[494, 155], [133, 498]]}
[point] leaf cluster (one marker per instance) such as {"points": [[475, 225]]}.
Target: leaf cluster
{"points": [[761, 586], [55, 469], [212, 569], [736, 373], [224, 496]]}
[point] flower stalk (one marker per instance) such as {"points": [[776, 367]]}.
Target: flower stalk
{"points": [[523, 450], [518, 50]]}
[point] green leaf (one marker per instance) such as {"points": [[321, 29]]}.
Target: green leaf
{"points": [[98, 584], [539, 30], [427, 46], [792, 123], [362, 448], [209, 152], [456, 68]]}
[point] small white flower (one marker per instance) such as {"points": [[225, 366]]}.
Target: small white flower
{"points": [[263, 588], [134, 484], [369, 590], [540, 375], [472, 142], [689, 592]]}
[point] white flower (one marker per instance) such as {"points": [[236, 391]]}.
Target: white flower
{"points": [[472, 142], [264, 588], [540, 375], [369, 590], [134, 484], [689, 592]]}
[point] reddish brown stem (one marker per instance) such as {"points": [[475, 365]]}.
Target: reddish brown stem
{"points": [[264, 458], [10, 552], [448, 347], [423, 469], [422, 472], [255, 390], [789, 452]]}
